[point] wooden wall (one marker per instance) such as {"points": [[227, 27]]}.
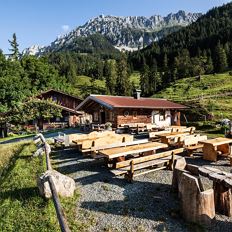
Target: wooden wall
{"points": [[134, 116], [120, 116], [62, 99]]}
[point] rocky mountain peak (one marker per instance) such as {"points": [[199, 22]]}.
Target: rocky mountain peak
{"points": [[127, 32]]}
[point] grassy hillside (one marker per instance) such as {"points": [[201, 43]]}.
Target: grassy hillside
{"points": [[212, 93], [84, 85]]}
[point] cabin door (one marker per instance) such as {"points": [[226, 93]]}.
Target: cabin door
{"points": [[103, 117], [154, 117], [175, 118]]}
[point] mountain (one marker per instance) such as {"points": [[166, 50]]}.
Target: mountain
{"points": [[204, 47], [127, 33], [215, 25]]}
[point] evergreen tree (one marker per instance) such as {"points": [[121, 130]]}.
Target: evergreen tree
{"points": [[220, 59], [110, 76], [144, 80], [184, 63], [165, 62], [14, 48], [154, 77], [123, 86], [209, 65]]}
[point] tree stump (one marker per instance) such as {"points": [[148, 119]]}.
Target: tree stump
{"points": [[197, 206], [223, 199], [177, 172]]}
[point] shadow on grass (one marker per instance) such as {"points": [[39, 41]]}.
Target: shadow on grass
{"points": [[10, 165], [20, 194]]}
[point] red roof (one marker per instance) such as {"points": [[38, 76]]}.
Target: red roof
{"points": [[130, 102]]}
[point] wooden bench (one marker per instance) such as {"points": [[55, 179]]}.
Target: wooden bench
{"points": [[88, 145], [191, 130], [96, 149], [159, 160], [191, 143], [135, 128], [173, 138]]}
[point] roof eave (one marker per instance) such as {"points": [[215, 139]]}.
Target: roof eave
{"points": [[151, 107], [92, 97]]}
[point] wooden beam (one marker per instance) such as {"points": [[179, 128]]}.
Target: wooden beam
{"points": [[150, 157], [131, 150]]}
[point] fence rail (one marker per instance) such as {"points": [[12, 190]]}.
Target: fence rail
{"points": [[59, 211]]}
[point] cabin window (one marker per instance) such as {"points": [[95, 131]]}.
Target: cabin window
{"points": [[162, 115], [111, 116], [95, 116], [126, 113], [57, 119], [134, 114]]}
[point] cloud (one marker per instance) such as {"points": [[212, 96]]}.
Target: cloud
{"points": [[65, 28]]}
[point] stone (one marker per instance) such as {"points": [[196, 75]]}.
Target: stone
{"points": [[65, 186]]}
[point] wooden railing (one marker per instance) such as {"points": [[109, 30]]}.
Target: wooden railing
{"points": [[59, 211]]}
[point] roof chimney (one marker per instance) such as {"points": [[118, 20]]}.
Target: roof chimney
{"points": [[137, 94]]}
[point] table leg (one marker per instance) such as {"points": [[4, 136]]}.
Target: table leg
{"points": [[209, 152], [224, 149]]}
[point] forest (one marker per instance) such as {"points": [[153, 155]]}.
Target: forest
{"points": [[204, 47], [23, 77]]}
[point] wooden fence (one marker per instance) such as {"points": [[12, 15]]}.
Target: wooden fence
{"points": [[59, 211]]}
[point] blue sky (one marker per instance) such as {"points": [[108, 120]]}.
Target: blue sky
{"points": [[41, 21]]}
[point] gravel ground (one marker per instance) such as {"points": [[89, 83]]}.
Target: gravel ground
{"points": [[108, 203]]}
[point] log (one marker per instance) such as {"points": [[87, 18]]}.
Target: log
{"points": [[197, 206], [177, 173], [205, 171], [228, 182], [194, 169], [180, 165], [223, 199]]}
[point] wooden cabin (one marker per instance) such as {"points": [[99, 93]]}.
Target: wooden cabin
{"points": [[68, 103], [124, 110]]}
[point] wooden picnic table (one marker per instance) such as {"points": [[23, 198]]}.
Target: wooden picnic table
{"points": [[80, 141], [167, 138], [132, 150], [214, 147]]}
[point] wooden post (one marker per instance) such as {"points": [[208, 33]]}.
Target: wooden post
{"points": [[171, 162], [129, 175]]}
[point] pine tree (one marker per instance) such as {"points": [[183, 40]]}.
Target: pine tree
{"points": [[165, 62], [220, 60], [144, 80], [209, 65], [14, 48], [123, 86], [154, 77], [110, 76]]}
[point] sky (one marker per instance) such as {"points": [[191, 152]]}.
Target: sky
{"points": [[41, 21]]}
